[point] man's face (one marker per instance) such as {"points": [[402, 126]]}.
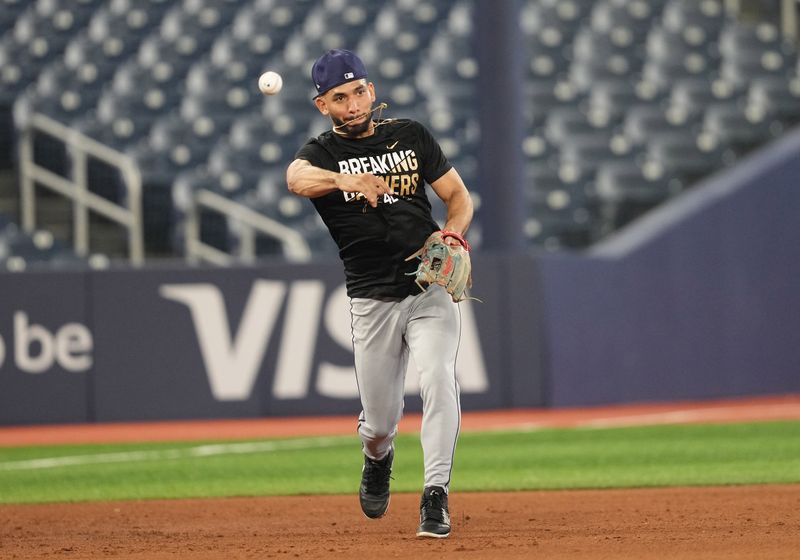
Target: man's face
{"points": [[348, 106]]}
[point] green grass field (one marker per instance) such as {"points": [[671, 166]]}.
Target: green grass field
{"points": [[765, 452]]}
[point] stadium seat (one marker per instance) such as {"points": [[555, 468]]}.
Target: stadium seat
{"points": [[742, 128], [743, 67], [584, 73], [198, 20], [20, 251], [582, 155], [59, 93], [666, 71], [705, 14], [277, 19], [563, 125], [221, 104], [340, 23], [627, 189], [541, 97], [9, 11], [238, 60], [564, 17], [663, 44], [737, 38], [616, 96], [614, 91], [778, 95], [687, 155], [623, 19], [592, 45], [695, 93], [642, 122]]}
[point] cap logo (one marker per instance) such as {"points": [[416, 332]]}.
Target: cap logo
{"points": [[348, 76]]}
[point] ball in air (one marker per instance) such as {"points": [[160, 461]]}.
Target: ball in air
{"points": [[270, 83]]}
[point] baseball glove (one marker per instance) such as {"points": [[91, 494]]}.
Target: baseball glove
{"points": [[444, 264]]}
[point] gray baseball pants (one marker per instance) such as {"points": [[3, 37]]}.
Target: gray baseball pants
{"points": [[426, 326]]}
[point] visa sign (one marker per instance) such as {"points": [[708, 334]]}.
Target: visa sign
{"points": [[233, 354]]}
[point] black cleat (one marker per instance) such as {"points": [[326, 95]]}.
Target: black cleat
{"points": [[434, 517], [374, 491]]}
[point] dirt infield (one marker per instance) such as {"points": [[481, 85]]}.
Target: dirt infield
{"points": [[676, 523]]}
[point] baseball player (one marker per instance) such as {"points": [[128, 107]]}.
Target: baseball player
{"points": [[366, 177]]}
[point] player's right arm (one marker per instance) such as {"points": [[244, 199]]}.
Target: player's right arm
{"points": [[309, 181]]}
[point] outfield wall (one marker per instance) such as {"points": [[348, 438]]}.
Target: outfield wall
{"points": [[217, 343], [698, 300]]}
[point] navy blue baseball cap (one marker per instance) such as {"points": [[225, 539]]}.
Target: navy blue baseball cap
{"points": [[336, 67]]}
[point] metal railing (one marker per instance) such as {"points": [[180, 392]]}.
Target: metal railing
{"points": [[252, 223], [76, 188]]}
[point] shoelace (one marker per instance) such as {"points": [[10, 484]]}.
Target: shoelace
{"points": [[433, 507], [377, 475]]}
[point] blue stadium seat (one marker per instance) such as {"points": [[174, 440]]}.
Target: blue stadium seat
{"points": [[543, 97], [563, 125], [737, 38], [277, 19], [745, 66], [705, 14], [623, 19], [744, 129], [20, 251], [687, 155], [643, 122], [546, 56], [778, 95], [340, 23], [9, 11], [236, 60], [591, 45], [696, 93], [616, 96], [538, 150], [564, 17], [627, 189], [585, 73], [59, 93], [582, 155], [666, 71], [614, 92], [198, 20], [221, 104]]}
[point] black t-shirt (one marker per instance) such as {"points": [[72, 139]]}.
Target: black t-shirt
{"points": [[374, 242]]}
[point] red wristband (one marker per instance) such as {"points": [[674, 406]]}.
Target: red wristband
{"points": [[457, 236]]}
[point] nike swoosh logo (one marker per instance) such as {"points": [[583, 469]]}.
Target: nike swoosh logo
{"points": [[391, 147]]}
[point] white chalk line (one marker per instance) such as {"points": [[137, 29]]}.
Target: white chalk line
{"points": [[685, 416], [198, 451], [694, 415], [645, 419]]}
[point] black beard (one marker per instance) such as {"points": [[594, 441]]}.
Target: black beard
{"points": [[351, 131]]}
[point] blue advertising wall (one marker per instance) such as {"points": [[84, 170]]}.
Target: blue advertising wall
{"points": [[216, 343], [46, 354]]}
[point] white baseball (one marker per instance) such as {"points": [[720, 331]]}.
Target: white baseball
{"points": [[270, 83]]}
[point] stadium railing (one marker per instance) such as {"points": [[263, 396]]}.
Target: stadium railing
{"points": [[248, 222], [76, 188]]}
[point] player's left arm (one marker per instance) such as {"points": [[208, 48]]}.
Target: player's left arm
{"points": [[451, 189]]}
